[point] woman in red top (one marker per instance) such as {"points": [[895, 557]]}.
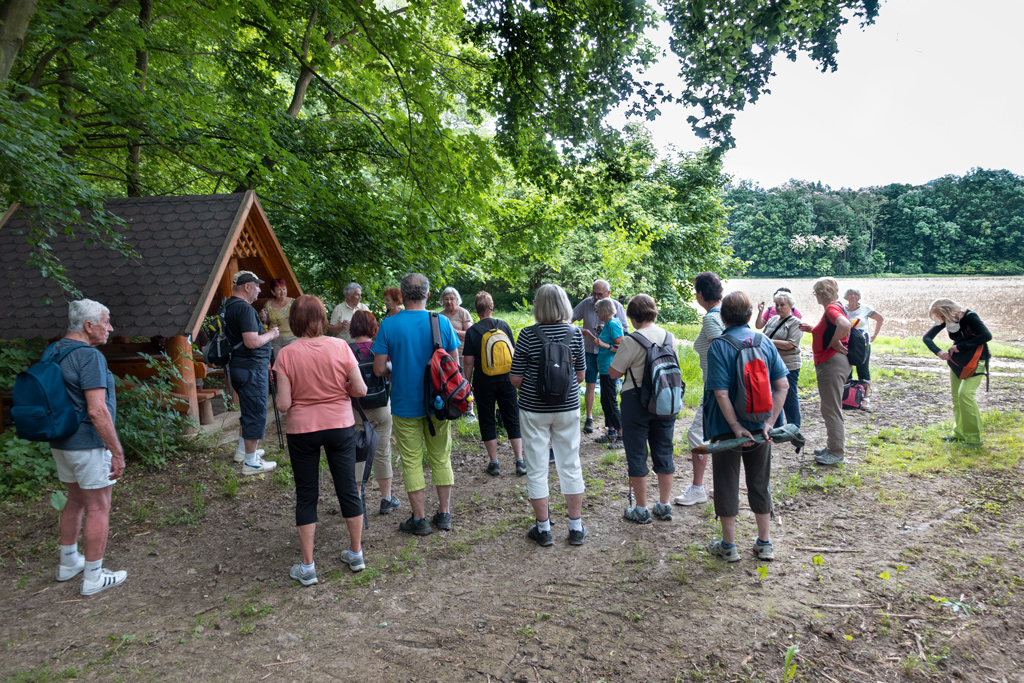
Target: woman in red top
{"points": [[316, 375], [828, 342]]}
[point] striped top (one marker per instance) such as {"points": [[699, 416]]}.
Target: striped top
{"points": [[526, 362]]}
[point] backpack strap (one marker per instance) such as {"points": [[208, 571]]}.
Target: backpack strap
{"points": [[63, 354], [781, 323], [435, 331]]}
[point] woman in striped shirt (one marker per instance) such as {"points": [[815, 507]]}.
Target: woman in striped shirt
{"points": [[544, 419]]}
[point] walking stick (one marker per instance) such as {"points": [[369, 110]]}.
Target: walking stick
{"points": [[277, 415]]}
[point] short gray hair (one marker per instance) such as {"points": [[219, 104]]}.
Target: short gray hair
{"points": [[604, 285], [84, 310], [784, 297], [826, 287], [551, 305], [451, 290], [351, 287], [604, 306], [851, 290], [415, 287]]}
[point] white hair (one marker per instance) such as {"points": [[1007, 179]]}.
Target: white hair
{"points": [[351, 287], [604, 306], [851, 290], [84, 310], [604, 285], [551, 305], [451, 290]]}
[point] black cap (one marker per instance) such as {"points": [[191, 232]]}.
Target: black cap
{"points": [[247, 276]]}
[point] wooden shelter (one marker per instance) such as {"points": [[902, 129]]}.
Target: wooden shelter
{"points": [[189, 248]]}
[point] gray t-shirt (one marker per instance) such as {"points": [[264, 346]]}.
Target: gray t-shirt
{"points": [[586, 312], [84, 368]]}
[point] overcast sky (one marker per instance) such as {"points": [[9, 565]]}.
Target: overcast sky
{"points": [[933, 87]]}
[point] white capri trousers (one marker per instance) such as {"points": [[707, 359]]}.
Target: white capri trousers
{"points": [[562, 430], [695, 434]]}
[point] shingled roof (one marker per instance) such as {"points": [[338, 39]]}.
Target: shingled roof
{"points": [[189, 247]]}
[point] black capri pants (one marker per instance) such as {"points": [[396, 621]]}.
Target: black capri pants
{"points": [[498, 390], [757, 464], [640, 428], [610, 402], [340, 448]]}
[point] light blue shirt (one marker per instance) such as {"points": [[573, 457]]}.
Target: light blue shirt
{"points": [[406, 338]]}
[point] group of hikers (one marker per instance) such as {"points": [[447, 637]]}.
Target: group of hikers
{"points": [[336, 376]]}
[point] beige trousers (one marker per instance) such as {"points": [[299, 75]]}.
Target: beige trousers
{"points": [[832, 376]]}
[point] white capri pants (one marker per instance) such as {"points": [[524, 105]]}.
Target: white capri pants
{"points": [[562, 430], [695, 434]]}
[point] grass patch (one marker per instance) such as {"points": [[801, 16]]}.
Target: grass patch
{"points": [[365, 578], [833, 480], [921, 450]]}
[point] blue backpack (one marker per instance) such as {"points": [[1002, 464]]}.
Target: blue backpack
{"points": [[43, 410]]}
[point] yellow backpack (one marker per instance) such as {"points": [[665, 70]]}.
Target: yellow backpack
{"points": [[496, 348]]}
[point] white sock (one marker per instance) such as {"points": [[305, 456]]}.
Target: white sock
{"points": [[696, 488], [545, 525], [252, 459], [307, 568], [576, 524], [92, 570], [69, 555]]}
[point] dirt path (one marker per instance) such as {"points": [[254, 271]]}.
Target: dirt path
{"points": [[208, 597]]}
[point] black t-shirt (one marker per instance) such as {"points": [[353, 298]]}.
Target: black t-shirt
{"points": [[471, 347], [240, 317]]}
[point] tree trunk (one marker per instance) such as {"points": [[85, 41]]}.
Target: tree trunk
{"points": [[133, 173], [14, 18]]}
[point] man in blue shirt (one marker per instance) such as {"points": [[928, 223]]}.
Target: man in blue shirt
{"points": [[720, 423], [407, 339], [90, 461]]}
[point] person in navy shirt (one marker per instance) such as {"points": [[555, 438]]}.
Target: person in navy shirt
{"points": [[721, 423]]}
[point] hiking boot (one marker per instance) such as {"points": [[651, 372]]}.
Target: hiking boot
{"points": [[577, 537], [353, 560], [261, 467], [616, 444], [633, 515], [588, 426], [607, 437], [826, 457], [493, 468], [764, 551], [662, 511], [389, 504], [692, 496], [819, 451], [108, 579], [442, 520], [716, 549], [240, 455], [543, 538], [420, 528], [520, 467], [307, 579], [65, 573], [950, 439]]}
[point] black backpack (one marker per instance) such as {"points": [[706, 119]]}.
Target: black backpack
{"points": [[217, 353], [857, 346], [378, 389], [555, 379]]}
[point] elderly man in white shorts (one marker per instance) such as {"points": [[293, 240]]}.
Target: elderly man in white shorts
{"points": [[91, 460]]}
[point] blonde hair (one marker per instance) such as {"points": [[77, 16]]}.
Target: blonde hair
{"points": [[551, 305], [946, 308], [827, 287]]}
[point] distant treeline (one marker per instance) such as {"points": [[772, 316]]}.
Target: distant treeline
{"points": [[954, 225]]}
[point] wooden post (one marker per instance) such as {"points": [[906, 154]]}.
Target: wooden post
{"points": [[180, 353]]}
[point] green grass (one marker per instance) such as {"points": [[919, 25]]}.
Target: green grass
{"points": [[921, 450], [913, 346]]}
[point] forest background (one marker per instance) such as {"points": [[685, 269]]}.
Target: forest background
{"points": [[466, 140]]}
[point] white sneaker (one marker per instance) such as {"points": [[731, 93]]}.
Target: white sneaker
{"points": [[261, 467], [692, 496], [65, 573], [108, 579], [240, 455]]}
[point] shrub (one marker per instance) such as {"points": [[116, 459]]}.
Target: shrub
{"points": [[147, 424], [26, 467]]}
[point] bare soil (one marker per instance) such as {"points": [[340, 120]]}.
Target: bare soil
{"points": [[858, 556]]}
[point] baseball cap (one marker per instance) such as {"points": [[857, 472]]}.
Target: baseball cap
{"points": [[243, 277]]}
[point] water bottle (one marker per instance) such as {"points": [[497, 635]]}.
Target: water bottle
{"points": [[438, 403]]}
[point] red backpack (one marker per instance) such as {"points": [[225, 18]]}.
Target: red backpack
{"points": [[753, 383], [447, 391]]}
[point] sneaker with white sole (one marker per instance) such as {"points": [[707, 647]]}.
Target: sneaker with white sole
{"points": [[108, 579], [261, 467], [306, 579], [353, 560], [662, 511], [716, 549], [692, 496], [764, 551], [65, 573], [240, 455], [826, 457]]}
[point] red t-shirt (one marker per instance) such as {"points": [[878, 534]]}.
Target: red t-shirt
{"points": [[822, 353], [317, 370]]}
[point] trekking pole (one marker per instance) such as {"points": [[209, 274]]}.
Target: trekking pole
{"points": [[277, 415]]}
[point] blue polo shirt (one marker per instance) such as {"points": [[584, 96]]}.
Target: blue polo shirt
{"points": [[720, 375]]}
